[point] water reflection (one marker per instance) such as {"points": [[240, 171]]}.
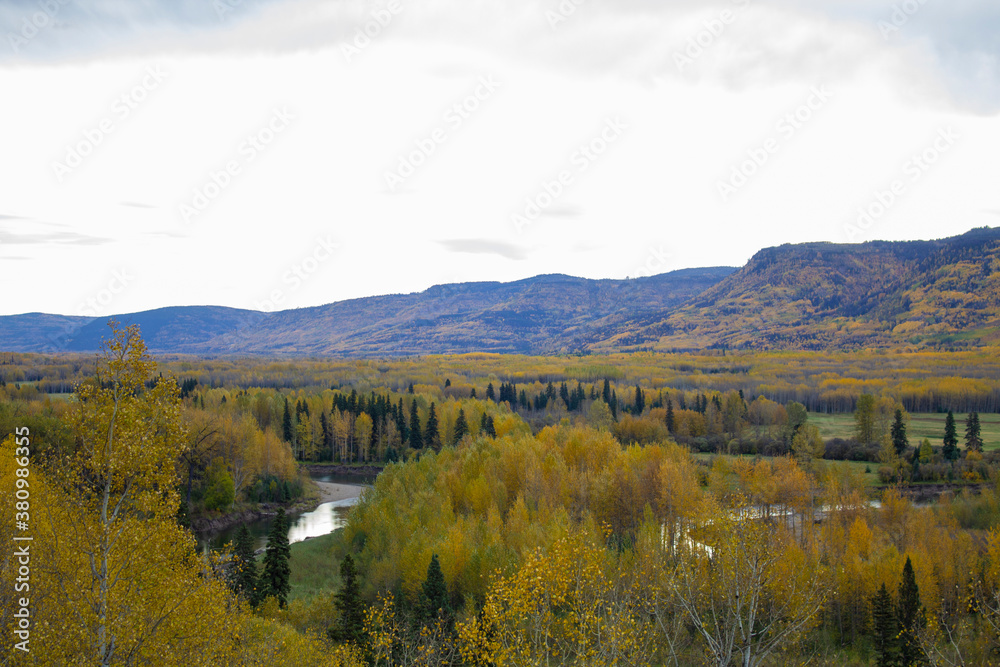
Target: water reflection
{"points": [[326, 518]]}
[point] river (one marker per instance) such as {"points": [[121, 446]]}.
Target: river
{"points": [[326, 518]]}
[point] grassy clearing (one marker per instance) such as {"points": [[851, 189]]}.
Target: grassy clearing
{"points": [[313, 566], [868, 471], [922, 425]]}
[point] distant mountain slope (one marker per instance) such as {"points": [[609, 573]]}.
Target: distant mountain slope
{"points": [[175, 329], [541, 315], [38, 332], [545, 314], [809, 296], [824, 295]]}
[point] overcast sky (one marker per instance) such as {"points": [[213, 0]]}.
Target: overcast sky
{"points": [[271, 154]]}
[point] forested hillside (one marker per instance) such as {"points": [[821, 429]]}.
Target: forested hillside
{"points": [[825, 296], [541, 315], [942, 294]]}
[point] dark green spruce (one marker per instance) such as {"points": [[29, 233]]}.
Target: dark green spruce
{"points": [[350, 626], [461, 426], [274, 579]]}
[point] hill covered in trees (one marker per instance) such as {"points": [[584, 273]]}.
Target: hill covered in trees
{"points": [[913, 295], [540, 315], [841, 296]]}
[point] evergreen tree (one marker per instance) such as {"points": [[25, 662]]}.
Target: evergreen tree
{"points": [[490, 428], [973, 439], [434, 594], [416, 436], [432, 438], [640, 401], [899, 440], [324, 428], [606, 392], [950, 449], [564, 394], [350, 625], [447, 383], [274, 578], [909, 615], [461, 426], [670, 416], [885, 630], [490, 394], [286, 423], [614, 405], [473, 394], [409, 390], [401, 421], [243, 567]]}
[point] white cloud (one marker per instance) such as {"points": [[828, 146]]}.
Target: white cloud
{"points": [[655, 188]]}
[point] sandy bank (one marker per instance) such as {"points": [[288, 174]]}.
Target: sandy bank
{"points": [[330, 492]]}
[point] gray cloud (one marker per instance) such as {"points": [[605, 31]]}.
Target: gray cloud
{"points": [[61, 238], [954, 46], [485, 247]]}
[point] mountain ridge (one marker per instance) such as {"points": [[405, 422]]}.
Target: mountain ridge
{"points": [[808, 296], [529, 316]]}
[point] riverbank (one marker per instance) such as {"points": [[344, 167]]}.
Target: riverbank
{"points": [[932, 492], [361, 470], [330, 492], [323, 492], [214, 523]]}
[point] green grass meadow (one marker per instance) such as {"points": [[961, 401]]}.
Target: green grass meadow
{"points": [[313, 567], [922, 425]]}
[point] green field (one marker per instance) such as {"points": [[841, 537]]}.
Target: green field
{"points": [[313, 567], [869, 471], [922, 425]]}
